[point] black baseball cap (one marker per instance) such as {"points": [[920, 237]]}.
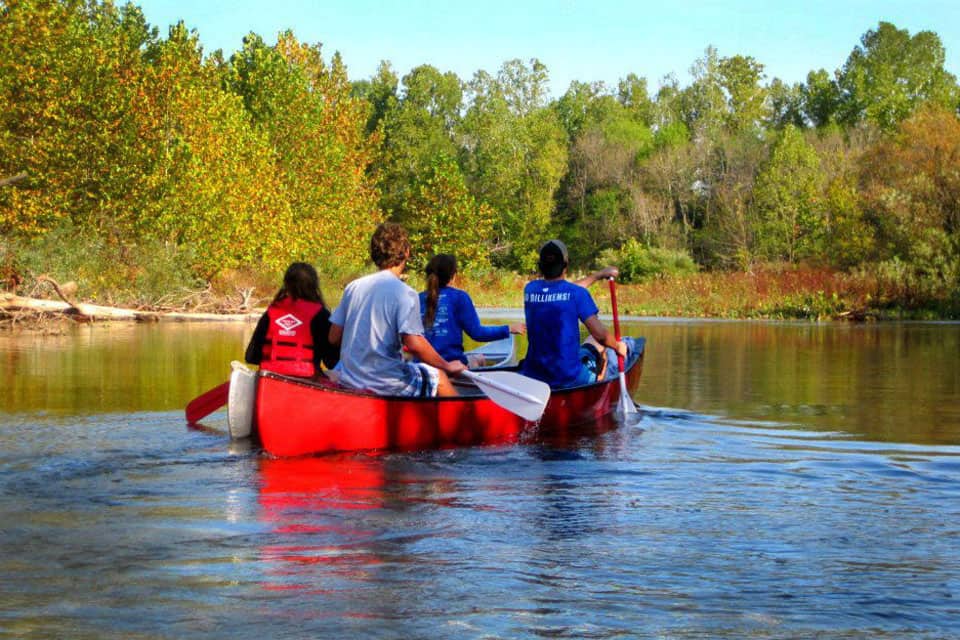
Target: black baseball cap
{"points": [[553, 258]]}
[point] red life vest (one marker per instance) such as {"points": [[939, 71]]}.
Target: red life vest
{"points": [[288, 348]]}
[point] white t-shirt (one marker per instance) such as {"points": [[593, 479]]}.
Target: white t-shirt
{"points": [[375, 312]]}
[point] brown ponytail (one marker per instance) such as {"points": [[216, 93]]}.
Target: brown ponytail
{"points": [[440, 270]]}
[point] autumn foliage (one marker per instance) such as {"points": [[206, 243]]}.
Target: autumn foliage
{"points": [[133, 139], [137, 154]]}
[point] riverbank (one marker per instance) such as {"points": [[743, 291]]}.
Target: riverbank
{"points": [[765, 293]]}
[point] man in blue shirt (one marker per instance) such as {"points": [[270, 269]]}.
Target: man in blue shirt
{"points": [[554, 309]]}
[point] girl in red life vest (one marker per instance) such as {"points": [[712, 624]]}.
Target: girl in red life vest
{"points": [[291, 337]]}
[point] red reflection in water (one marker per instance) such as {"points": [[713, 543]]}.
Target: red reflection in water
{"points": [[312, 503], [335, 482], [320, 511]]}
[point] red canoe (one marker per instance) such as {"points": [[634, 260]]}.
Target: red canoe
{"points": [[293, 416]]}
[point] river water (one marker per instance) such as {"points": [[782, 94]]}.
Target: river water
{"points": [[784, 481]]}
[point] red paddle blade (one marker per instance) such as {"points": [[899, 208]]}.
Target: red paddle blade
{"points": [[205, 404]]}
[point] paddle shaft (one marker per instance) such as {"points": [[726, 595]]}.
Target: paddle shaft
{"points": [[625, 405], [616, 319], [206, 403]]}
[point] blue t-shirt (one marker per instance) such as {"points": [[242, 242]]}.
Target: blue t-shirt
{"points": [[554, 310], [456, 315]]}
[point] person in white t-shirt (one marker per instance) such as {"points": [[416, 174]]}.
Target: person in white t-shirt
{"points": [[378, 316]]}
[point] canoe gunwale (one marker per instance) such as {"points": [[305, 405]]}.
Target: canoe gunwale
{"points": [[328, 385]]}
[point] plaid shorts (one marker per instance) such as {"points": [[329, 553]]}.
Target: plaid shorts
{"points": [[422, 380]]}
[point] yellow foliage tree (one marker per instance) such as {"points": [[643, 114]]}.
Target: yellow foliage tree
{"points": [[318, 133]]}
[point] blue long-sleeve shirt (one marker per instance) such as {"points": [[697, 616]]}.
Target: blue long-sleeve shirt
{"points": [[455, 316]]}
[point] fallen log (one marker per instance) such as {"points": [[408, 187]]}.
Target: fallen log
{"points": [[13, 304], [13, 179]]}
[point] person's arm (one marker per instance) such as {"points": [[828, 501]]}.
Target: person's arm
{"points": [[469, 321], [604, 337], [338, 318], [421, 349], [335, 335], [589, 315], [254, 353], [603, 274], [323, 350]]}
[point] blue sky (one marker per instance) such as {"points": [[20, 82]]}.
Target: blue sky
{"points": [[577, 39]]}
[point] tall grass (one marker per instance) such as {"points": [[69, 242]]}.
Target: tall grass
{"points": [[769, 291], [120, 274]]}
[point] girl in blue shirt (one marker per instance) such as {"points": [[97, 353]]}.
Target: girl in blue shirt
{"points": [[448, 313]]}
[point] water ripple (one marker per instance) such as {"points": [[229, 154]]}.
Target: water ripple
{"points": [[687, 525]]}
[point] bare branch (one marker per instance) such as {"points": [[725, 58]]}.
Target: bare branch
{"points": [[13, 179]]}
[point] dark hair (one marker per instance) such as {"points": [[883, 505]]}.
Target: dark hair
{"points": [[300, 282], [553, 259], [440, 270], [390, 245]]}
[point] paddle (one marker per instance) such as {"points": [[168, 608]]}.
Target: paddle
{"points": [[206, 403], [517, 394], [625, 406], [498, 353]]}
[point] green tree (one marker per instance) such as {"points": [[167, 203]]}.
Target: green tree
{"points": [[633, 94], [524, 85], [788, 219], [418, 129], [604, 201], [784, 105], [891, 73], [215, 187], [133, 142], [702, 105], [69, 76], [381, 92], [820, 98], [746, 107], [514, 157], [668, 105], [584, 104], [445, 218], [725, 95], [850, 237]]}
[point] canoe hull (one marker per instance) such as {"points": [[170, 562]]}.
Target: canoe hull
{"points": [[296, 417]]}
